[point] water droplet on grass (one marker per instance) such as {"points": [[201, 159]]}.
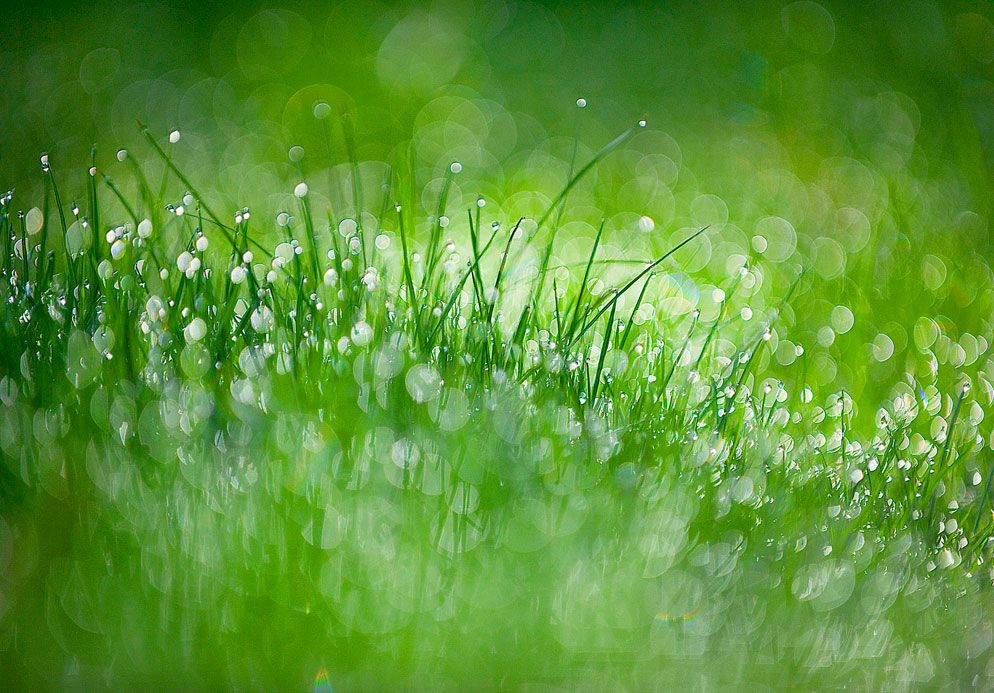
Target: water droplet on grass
{"points": [[196, 330], [34, 220], [321, 110], [105, 270], [301, 190], [174, 136], [183, 261]]}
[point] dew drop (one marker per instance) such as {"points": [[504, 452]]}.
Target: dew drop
{"points": [[196, 330], [321, 110], [183, 261]]}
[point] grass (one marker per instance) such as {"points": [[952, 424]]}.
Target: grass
{"points": [[326, 453]]}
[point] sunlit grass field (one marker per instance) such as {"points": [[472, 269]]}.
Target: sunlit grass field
{"points": [[295, 403]]}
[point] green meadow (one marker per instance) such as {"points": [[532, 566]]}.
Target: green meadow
{"points": [[497, 346]]}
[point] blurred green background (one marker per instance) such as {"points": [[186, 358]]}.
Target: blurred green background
{"points": [[850, 139], [854, 138]]}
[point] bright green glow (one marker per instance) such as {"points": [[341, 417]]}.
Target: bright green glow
{"points": [[241, 480]]}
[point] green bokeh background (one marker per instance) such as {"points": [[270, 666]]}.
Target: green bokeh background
{"points": [[853, 140]]}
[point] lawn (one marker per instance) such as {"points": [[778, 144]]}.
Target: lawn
{"points": [[370, 353]]}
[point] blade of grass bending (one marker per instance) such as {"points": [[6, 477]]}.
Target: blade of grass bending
{"points": [[411, 296], [631, 318], [607, 149], [189, 186], [120, 198], [457, 289], [146, 190], [40, 266], [632, 283], [519, 332], [127, 207], [984, 499], [500, 270], [479, 303], [604, 347], [679, 357], [503, 260], [583, 285]]}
